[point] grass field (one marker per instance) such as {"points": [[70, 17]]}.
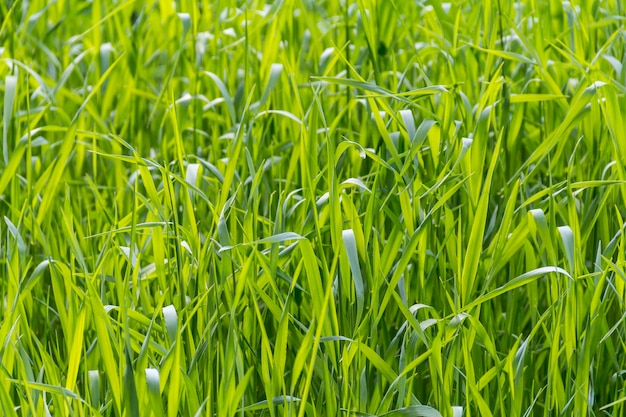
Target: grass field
{"points": [[313, 208]]}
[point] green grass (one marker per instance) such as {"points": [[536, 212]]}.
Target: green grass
{"points": [[302, 208]]}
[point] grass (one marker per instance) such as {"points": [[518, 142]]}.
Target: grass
{"points": [[301, 208]]}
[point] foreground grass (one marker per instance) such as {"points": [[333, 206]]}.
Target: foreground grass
{"points": [[313, 208]]}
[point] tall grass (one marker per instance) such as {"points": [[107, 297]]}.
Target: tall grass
{"points": [[301, 208]]}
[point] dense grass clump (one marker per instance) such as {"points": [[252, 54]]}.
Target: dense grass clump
{"points": [[313, 208]]}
